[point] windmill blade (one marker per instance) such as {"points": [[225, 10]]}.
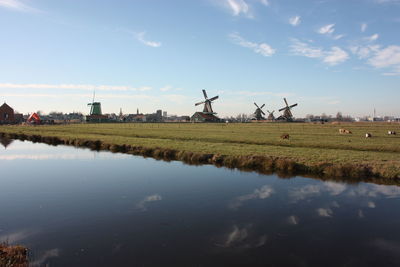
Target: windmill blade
{"points": [[262, 105], [292, 106], [205, 94], [273, 112], [262, 112], [212, 99], [199, 103], [285, 102], [94, 93], [282, 109], [256, 105]]}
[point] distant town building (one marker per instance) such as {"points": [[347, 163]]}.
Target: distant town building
{"points": [[165, 114], [6, 114]]}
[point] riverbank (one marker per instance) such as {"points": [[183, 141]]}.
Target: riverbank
{"points": [[312, 149], [13, 256]]}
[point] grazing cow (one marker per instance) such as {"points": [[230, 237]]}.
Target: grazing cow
{"points": [[368, 135], [391, 132], [285, 136], [344, 131]]}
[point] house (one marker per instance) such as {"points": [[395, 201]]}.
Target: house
{"points": [[6, 114], [204, 117]]}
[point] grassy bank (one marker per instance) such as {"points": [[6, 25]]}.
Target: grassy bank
{"points": [[316, 149], [13, 256]]}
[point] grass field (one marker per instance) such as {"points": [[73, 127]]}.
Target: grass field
{"points": [[309, 145]]}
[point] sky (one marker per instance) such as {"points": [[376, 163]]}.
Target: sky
{"points": [[326, 55]]}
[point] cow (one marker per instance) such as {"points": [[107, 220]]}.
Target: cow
{"points": [[368, 135], [344, 131], [391, 132], [285, 136]]}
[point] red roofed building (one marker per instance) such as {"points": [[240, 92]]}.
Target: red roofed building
{"points": [[6, 114], [204, 117]]}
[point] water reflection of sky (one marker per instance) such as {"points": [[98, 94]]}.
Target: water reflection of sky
{"points": [[74, 205]]}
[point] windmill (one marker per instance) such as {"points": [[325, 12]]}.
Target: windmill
{"points": [[259, 113], [207, 103], [271, 116], [95, 108], [287, 113]]}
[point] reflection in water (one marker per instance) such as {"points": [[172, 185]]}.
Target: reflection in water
{"points": [[325, 212], [243, 238], [142, 204], [5, 142], [294, 220], [51, 253], [259, 193], [82, 202], [16, 237]]}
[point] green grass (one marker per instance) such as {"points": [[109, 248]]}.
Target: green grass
{"points": [[309, 144]]}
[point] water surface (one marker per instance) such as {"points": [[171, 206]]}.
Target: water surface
{"points": [[76, 207]]}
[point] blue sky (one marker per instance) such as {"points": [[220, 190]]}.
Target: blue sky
{"points": [[326, 55]]}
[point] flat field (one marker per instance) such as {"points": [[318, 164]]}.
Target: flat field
{"points": [[309, 144]]}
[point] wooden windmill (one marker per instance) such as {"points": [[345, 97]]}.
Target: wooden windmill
{"points": [[271, 116], [95, 107], [258, 114], [207, 103], [287, 113]]}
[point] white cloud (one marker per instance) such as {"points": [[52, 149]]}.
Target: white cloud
{"points": [[360, 214], [364, 27], [389, 56], [141, 38], [325, 212], [338, 36], [372, 38], [264, 2], [387, 1], [364, 51], [238, 7], [294, 220], [295, 21], [260, 48], [332, 57], [175, 98], [254, 93], [371, 204], [327, 29], [87, 87], [51, 253], [335, 56], [17, 6], [243, 238], [264, 192], [142, 204]]}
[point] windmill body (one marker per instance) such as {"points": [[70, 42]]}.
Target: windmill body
{"points": [[287, 113], [208, 114], [271, 116], [258, 114], [95, 112]]}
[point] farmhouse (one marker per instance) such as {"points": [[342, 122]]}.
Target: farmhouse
{"points": [[6, 114], [204, 117]]}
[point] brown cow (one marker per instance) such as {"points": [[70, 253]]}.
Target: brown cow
{"points": [[344, 131], [391, 132], [285, 136], [368, 135]]}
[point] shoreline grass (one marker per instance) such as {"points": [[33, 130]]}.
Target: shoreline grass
{"points": [[13, 256], [313, 149]]}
